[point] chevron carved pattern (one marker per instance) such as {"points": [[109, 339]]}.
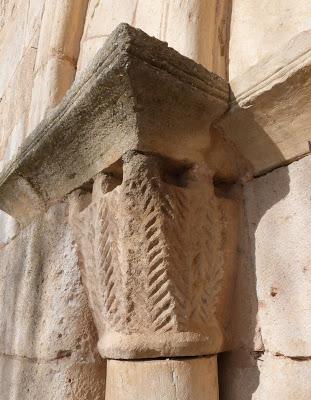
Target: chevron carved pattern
{"points": [[96, 231], [151, 252]]}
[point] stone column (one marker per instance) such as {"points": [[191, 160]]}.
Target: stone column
{"points": [[177, 379], [152, 208]]}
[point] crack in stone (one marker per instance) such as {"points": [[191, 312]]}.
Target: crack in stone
{"points": [[174, 384], [257, 356], [294, 358], [61, 354]]}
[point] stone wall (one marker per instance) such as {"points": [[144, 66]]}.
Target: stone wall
{"points": [[48, 339], [39, 48], [259, 28], [272, 319], [40, 43], [196, 28]]}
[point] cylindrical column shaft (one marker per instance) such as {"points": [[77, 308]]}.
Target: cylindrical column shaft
{"points": [[170, 379]]}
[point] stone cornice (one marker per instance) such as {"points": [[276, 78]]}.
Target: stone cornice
{"points": [[138, 94], [269, 118]]}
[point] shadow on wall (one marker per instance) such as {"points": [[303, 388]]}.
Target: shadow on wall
{"points": [[239, 369]]}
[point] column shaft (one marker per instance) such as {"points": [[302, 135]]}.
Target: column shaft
{"points": [[171, 379]]}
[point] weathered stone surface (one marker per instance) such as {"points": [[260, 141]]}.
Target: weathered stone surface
{"points": [[35, 379], [279, 217], [269, 118], [182, 379], [39, 43], [19, 35], [259, 28], [269, 122], [154, 100], [246, 376], [239, 375], [243, 328], [156, 251], [197, 29], [58, 50], [284, 378], [270, 314], [43, 310]]}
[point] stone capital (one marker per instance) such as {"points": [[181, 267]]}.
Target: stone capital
{"points": [[151, 182], [153, 257]]}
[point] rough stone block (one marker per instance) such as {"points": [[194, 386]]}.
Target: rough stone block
{"points": [[43, 309], [279, 216], [35, 379], [245, 375]]}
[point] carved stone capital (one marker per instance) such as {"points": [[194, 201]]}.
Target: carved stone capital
{"points": [[152, 246], [157, 232]]}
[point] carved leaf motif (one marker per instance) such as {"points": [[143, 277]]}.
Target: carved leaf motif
{"points": [[179, 253], [162, 210], [107, 264], [207, 263], [97, 234], [152, 255]]}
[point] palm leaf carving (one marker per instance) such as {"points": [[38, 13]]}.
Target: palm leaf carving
{"points": [[97, 235], [166, 281], [207, 260], [151, 252]]}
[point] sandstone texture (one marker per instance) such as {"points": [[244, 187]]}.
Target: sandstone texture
{"points": [[279, 218], [271, 313], [19, 35], [171, 379], [47, 336], [123, 226], [260, 28], [39, 51], [57, 55], [153, 260], [197, 29], [263, 120], [246, 376], [35, 379], [9, 228]]}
